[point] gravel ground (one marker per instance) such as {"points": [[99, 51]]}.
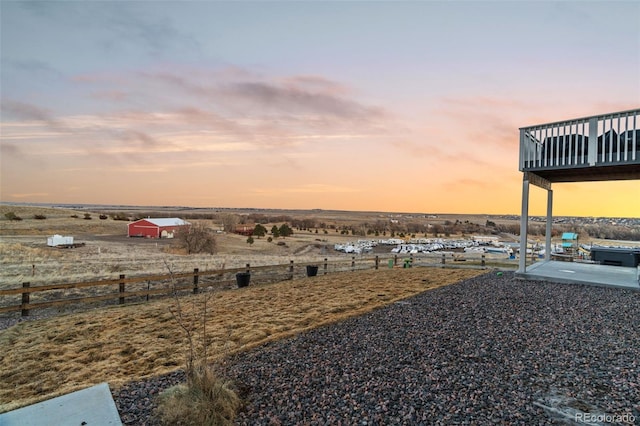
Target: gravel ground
{"points": [[489, 350]]}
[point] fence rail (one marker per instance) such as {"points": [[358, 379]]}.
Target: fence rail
{"points": [[46, 296]]}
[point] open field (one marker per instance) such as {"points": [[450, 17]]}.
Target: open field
{"points": [[108, 252], [53, 356]]}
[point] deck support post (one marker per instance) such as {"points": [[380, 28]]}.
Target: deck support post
{"points": [[547, 241], [524, 219]]}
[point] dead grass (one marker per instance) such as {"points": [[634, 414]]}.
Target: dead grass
{"points": [[50, 357]]}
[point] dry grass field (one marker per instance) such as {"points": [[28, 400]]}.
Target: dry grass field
{"points": [[49, 357], [52, 356], [108, 252]]}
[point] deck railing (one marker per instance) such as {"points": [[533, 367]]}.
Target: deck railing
{"points": [[609, 139]]}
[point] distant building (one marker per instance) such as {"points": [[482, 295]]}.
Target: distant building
{"points": [[155, 228], [246, 230]]}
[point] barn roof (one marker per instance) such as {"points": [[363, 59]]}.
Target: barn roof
{"points": [[167, 221]]}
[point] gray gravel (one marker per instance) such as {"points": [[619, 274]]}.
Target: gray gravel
{"points": [[489, 350]]}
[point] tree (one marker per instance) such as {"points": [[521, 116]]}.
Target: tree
{"points": [[229, 222], [250, 240], [197, 238], [285, 230], [275, 231], [87, 216], [259, 231]]}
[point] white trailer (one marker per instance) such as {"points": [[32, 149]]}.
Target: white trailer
{"points": [[59, 240]]}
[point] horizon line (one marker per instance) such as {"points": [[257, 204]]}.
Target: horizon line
{"points": [[68, 205]]}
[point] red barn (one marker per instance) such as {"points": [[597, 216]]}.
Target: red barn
{"points": [[155, 228]]}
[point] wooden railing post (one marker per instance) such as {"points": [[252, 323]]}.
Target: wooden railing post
{"points": [[325, 266], [121, 290], [25, 300], [377, 262], [443, 258], [353, 263], [483, 261], [410, 260], [248, 266], [291, 269], [195, 280], [395, 260]]}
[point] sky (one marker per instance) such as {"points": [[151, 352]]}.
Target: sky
{"points": [[365, 106]]}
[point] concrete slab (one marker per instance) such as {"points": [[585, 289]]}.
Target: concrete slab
{"points": [[583, 273], [93, 406]]}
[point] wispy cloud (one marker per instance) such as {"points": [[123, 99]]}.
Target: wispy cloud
{"points": [[270, 112], [9, 150], [312, 188], [270, 97], [120, 24], [27, 111], [29, 195], [488, 121]]}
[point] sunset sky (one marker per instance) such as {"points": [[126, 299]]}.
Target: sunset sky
{"points": [[383, 106]]}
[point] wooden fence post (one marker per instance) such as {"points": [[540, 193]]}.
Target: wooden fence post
{"points": [[410, 260], [291, 269], [353, 263], [325, 266], [121, 290], [195, 280], [395, 260], [377, 262], [248, 266], [443, 259], [25, 300], [483, 261]]}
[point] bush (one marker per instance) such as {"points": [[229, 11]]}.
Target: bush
{"points": [[12, 216], [87, 216], [205, 399], [103, 217], [39, 216]]}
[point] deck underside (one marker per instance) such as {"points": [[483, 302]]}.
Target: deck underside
{"points": [[588, 174]]}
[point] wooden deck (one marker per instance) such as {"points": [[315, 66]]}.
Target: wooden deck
{"points": [[598, 148]]}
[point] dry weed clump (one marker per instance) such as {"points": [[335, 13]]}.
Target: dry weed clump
{"points": [[205, 400]]}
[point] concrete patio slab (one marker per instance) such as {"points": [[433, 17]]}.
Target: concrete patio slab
{"points": [[583, 273], [93, 406]]}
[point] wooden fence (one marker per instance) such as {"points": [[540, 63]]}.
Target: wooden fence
{"points": [[140, 288]]}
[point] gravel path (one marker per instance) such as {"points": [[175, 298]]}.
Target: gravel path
{"points": [[489, 350]]}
